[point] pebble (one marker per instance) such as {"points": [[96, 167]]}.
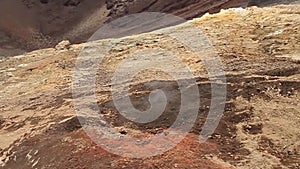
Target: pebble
{"points": [[9, 74], [65, 44], [23, 65], [11, 69]]}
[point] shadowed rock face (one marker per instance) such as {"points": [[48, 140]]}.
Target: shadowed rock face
{"points": [[35, 24]]}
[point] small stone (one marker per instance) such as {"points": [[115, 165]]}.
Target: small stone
{"points": [[65, 44], [23, 65], [11, 69], [9, 74]]}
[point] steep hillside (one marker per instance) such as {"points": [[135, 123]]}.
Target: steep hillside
{"points": [[259, 49], [34, 24]]}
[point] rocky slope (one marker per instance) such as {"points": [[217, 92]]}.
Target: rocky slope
{"points": [[34, 24], [259, 48]]}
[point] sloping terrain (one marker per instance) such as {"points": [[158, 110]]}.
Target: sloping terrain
{"points": [[260, 51], [35, 24]]}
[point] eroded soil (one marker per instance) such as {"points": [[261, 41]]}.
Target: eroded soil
{"points": [[259, 49]]}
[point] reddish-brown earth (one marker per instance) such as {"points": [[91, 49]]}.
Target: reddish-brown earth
{"points": [[259, 48], [35, 24]]}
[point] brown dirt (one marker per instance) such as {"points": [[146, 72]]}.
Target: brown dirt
{"points": [[259, 48], [35, 24]]}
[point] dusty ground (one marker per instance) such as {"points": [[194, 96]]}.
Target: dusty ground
{"points": [[260, 52]]}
